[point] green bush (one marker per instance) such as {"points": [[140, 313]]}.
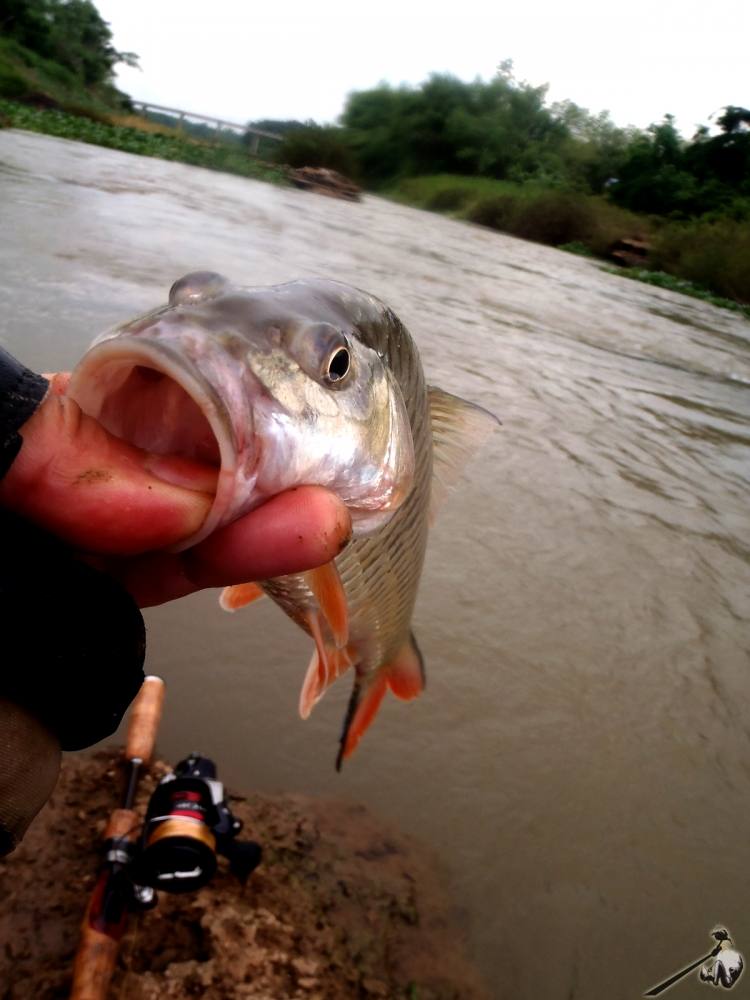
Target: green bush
{"points": [[317, 146], [714, 254], [497, 211], [557, 218], [448, 199], [12, 85]]}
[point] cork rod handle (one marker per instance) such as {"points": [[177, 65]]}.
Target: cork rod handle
{"points": [[144, 720]]}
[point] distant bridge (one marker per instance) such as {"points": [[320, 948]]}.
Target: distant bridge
{"points": [[255, 134]]}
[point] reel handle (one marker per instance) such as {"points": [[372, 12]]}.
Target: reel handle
{"points": [[145, 716]]}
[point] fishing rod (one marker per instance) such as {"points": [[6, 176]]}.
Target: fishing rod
{"points": [[188, 822], [107, 911]]}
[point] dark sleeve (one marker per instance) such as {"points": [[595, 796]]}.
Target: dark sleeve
{"points": [[21, 391], [72, 639]]}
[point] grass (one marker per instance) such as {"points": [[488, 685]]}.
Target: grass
{"points": [[663, 280], [448, 192], [578, 248], [161, 144]]}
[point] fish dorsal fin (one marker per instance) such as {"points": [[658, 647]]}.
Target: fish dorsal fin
{"points": [[459, 429], [239, 595], [326, 585], [404, 676]]}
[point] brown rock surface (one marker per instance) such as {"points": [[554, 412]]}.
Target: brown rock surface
{"points": [[630, 252], [322, 180], [341, 907]]}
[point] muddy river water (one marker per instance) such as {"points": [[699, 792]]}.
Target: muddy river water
{"points": [[580, 760]]}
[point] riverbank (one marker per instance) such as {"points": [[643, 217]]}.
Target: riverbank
{"points": [[706, 258], [341, 907], [138, 136]]}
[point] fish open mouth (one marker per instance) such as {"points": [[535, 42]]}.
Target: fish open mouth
{"points": [[156, 405], [145, 407]]}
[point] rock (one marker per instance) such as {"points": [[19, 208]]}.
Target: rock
{"points": [[341, 907], [630, 252], [321, 180]]}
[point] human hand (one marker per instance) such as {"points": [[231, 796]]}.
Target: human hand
{"points": [[122, 507]]}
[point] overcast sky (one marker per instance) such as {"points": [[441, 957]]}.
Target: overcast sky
{"points": [[244, 59]]}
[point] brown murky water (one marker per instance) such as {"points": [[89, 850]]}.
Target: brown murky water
{"points": [[581, 757]]}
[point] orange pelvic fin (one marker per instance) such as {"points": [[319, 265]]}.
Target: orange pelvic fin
{"points": [[326, 665], [404, 675], [239, 595], [326, 585]]}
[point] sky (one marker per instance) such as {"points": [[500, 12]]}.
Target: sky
{"points": [[242, 60]]}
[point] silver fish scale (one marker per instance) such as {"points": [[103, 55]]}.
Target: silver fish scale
{"points": [[380, 572]]}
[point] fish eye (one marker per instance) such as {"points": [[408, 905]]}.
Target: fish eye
{"points": [[338, 365], [322, 351]]}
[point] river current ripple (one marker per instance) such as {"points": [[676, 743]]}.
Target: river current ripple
{"points": [[580, 760]]}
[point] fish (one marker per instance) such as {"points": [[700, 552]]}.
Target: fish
{"points": [[306, 382]]}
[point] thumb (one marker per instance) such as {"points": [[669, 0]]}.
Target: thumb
{"points": [[97, 492]]}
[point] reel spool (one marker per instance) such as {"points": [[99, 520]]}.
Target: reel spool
{"points": [[188, 822]]}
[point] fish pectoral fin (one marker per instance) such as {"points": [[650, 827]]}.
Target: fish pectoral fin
{"points": [[326, 585], [326, 666], [404, 675], [239, 595], [459, 429]]}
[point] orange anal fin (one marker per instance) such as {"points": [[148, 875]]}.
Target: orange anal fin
{"points": [[239, 595], [326, 665], [326, 585], [363, 708], [313, 685], [405, 674]]}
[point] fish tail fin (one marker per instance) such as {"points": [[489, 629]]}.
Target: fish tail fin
{"points": [[361, 710], [404, 675]]}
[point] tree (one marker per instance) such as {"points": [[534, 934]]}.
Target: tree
{"points": [[498, 129], [69, 32]]}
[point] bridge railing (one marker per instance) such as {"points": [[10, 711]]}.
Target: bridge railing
{"points": [[218, 123]]}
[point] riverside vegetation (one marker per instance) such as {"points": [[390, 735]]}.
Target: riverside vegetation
{"points": [[495, 153], [498, 154], [138, 138]]}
